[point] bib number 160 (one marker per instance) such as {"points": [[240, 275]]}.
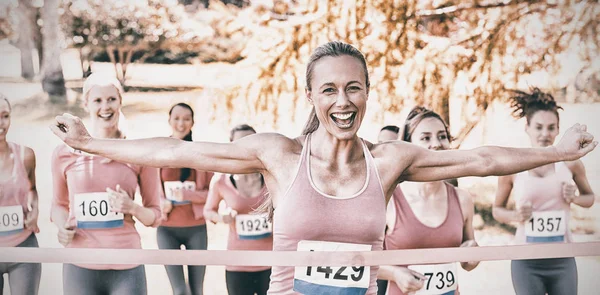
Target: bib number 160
{"points": [[93, 211], [94, 208]]}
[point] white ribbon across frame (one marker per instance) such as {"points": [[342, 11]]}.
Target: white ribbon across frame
{"points": [[294, 258]]}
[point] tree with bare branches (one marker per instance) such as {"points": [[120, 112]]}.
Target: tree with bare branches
{"points": [[425, 51], [125, 28]]}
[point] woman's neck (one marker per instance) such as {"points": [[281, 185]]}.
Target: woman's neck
{"points": [[425, 190], [326, 146], [178, 135], [4, 148], [111, 132]]}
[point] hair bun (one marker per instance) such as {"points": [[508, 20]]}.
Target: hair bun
{"points": [[525, 104], [417, 111]]}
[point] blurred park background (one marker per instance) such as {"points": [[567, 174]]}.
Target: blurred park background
{"points": [[243, 61]]}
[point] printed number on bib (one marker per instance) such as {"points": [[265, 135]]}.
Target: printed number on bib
{"points": [[172, 186], [440, 278], [93, 212], [335, 280], [11, 220], [546, 226], [253, 226]]}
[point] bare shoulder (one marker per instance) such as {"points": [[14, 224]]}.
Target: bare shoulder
{"points": [[392, 158], [398, 154], [271, 140], [467, 204], [391, 149], [29, 153], [575, 166], [275, 150], [61, 150], [28, 157], [464, 197], [217, 179], [506, 179]]}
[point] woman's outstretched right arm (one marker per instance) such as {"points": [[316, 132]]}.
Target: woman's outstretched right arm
{"points": [[239, 157]]}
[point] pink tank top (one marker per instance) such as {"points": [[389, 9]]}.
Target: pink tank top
{"points": [[13, 192], [79, 174], [410, 233], [223, 189], [187, 213], [305, 213], [545, 194]]}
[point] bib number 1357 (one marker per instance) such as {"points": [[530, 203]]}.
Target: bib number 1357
{"points": [[352, 280], [546, 226]]}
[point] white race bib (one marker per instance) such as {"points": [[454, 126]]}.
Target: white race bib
{"points": [[337, 280], [11, 220], [441, 279], [253, 226], [546, 227], [93, 211], [171, 186]]}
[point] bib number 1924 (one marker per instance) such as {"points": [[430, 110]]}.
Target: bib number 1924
{"points": [[253, 226]]}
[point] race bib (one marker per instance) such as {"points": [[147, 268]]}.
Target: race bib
{"points": [[93, 212], [441, 279], [336, 280], [253, 226], [172, 186], [546, 227], [11, 220]]}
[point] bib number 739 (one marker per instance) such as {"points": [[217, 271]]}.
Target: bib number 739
{"points": [[441, 278]]}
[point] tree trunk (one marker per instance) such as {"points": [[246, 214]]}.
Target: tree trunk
{"points": [[466, 130], [53, 81], [26, 15], [38, 38], [442, 106]]}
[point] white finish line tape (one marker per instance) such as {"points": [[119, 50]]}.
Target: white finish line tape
{"points": [[293, 258]]}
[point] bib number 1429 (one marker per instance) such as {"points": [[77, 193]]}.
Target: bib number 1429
{"points": [[352, 280]]}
